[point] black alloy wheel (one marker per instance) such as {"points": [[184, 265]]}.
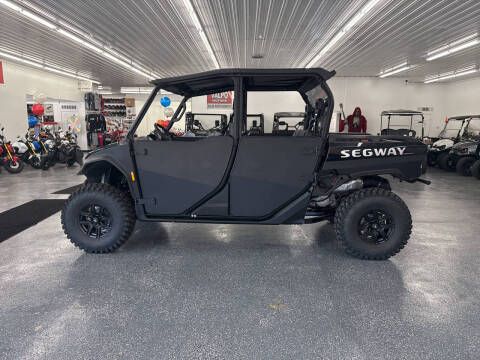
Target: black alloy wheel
{"points": [[375, 227], [95, 221]]}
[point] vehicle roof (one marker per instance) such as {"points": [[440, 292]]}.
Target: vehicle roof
{"points": [[463, 117], [289, 114], [401, 112], [220, 80]]}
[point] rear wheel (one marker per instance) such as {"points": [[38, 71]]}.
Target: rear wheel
{"points": [[373, 224], [36, 162], [445, 162], [14, 167], [475, 169], [464, 165], [98, 218]]}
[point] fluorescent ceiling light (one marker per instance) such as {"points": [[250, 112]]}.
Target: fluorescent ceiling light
{"points": [[395, 70], [453, 47], [87, 42], [196, 22], [136, 90], [28, 14], [350, 24], [45, 67], [450, 75]]}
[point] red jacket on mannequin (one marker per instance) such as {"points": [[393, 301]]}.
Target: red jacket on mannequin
{"points": [[356, 122]]}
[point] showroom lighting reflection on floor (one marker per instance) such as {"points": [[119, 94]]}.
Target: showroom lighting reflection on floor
{"points": [[395, 70], [350, 24], [453, 47], [57, 70], [451, 75], [88, 42]]}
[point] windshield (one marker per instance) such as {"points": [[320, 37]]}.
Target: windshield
{"points": [[453, 128], [472, 129]]}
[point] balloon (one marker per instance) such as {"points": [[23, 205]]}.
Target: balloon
{"points": [[32, 121], [40, 98], [169, 112], [38, 109], [165, 101]]}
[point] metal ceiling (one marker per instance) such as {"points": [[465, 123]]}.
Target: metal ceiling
{"points": [[160, 35]]}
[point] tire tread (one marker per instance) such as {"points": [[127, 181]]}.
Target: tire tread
{"points": [[126, 207], [344, 208]]}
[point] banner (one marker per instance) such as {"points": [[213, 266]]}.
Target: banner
{"points": [[2, 81], [222, 100]]}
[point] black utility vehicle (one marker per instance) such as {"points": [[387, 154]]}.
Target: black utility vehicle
{"points": [[404, 123], [243, 178]]}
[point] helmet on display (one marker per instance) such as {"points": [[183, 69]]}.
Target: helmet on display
{"points": [[32, 121]]}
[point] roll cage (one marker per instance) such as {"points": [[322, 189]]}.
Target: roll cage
{"points": [[388, 114], [465, 121], [307, 82]]}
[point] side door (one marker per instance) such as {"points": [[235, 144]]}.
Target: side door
{"points": [[175, 175], [270, 172]]}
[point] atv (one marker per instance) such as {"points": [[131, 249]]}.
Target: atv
{"points": [[306, 177], [452, 133], [462, 154]]}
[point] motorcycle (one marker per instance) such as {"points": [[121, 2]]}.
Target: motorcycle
{"points": [[62, 147], [10, 161], [27, 150]]}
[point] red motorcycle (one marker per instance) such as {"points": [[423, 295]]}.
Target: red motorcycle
{"points": [[10, 161]]}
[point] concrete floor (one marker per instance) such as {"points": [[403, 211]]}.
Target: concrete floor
{"points": [[243, 292]]}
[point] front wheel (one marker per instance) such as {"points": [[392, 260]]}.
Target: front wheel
{"points": [[464, 165], [373, 224], [98, 218], [14, 167], [446, 162]]}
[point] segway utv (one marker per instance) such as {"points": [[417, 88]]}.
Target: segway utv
{"points": [[306, 177]]}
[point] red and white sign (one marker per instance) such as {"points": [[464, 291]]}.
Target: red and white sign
{"points": [[2, 81], [220, 100]]}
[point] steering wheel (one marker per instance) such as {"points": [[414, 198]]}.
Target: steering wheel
{"points": [[161, 133]]}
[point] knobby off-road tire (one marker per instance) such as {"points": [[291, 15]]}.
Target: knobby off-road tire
{"points": [[392, 222], [98, 218], [475, 169], [464, 165], [445, 163]]}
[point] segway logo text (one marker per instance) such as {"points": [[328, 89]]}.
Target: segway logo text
{"points": [[366, 153]]}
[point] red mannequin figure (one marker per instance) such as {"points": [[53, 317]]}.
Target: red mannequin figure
{"points": [[356, 122]]}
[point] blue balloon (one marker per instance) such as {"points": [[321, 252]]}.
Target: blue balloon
{"points": [[32, 121], [165, 101]]}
